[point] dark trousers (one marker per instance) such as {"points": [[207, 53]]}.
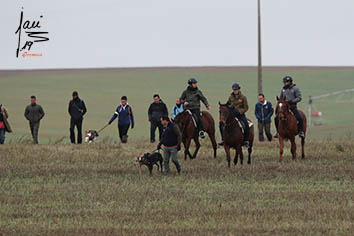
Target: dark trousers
{"points": [[198, 119], [297, 115], [153, 126], [78, 124], [243, 119], [123, 131], [2, 136], [34, 126], [264, 127]]}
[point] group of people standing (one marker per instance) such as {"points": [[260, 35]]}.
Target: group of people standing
{"points": [[169, 134]]}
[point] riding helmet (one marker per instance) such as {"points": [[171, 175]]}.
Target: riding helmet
{"points": [[236, 86], [287, 79], [192, 81]]}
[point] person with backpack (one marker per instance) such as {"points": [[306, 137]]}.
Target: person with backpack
{"points": [[125, 116], [4, 124], [77, 110]]}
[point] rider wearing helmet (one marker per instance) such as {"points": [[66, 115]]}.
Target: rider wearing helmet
{"points": [[191, 98], [292, 95], [239, 105]]}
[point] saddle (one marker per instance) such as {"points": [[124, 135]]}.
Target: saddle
{"points": [[240, 123], [193, 118]]}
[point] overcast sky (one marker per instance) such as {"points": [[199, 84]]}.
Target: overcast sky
{"points": [[137, 33]]}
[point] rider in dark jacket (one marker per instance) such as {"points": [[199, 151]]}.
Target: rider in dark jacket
{"points": [[293, 96], [191, 98], [239, 105]]}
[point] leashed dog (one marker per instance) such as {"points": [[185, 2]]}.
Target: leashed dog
{"points": [[90, 136], [149, 159]]}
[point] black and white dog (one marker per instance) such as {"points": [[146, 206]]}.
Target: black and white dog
{"points": [[149, 159], [90, 136]]}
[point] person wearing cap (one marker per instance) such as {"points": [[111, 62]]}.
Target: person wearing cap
{"points": [[34, 114], [239, 106], [125, 116], [77, 110], [191, 98], [292, 95]]}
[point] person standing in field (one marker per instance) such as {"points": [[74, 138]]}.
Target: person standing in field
{"points": [[264, 111], [34, 113], [4, 124], [178, 108], [125, 116], [171, 140], [191, 98], [156, 110], [77, 110]]}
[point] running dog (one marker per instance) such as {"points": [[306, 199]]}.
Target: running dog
{"points": [[149, 159]]}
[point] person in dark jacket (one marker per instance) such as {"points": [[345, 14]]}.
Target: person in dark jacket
{"points": [[156, 110], [293, 96], [77, 110], [34, 114], [191, 98], [125, 116], [171, 140], [239, 105], [4, 124], [264, 111]]}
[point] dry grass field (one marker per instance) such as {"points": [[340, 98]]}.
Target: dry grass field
{"points": [[96, 190]]}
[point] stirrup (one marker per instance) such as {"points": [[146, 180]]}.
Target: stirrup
{"points": [[246, 144], [202, 134], [302, 134]]}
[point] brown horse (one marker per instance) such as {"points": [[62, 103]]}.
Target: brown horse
{"points": [[287, 128], [233, 136], [185, 121]]}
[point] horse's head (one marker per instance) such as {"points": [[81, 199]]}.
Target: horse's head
{"points": [[224, 113], [181, 119], [282, 108]]}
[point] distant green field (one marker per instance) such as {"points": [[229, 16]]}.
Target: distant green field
{"points": [[102, 88]]}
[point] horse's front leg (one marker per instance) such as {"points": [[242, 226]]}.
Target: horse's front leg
{"points": [[302, 148], [241, 155], [293, 148], [249, 155], [237, 153], [281, 145], [197, 146], [227, 151]]}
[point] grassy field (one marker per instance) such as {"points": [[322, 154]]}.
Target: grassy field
{"points": [[96, 190], [102, 88]]}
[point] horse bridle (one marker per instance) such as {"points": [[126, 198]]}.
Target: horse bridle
{"points": [[283, 113]]}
